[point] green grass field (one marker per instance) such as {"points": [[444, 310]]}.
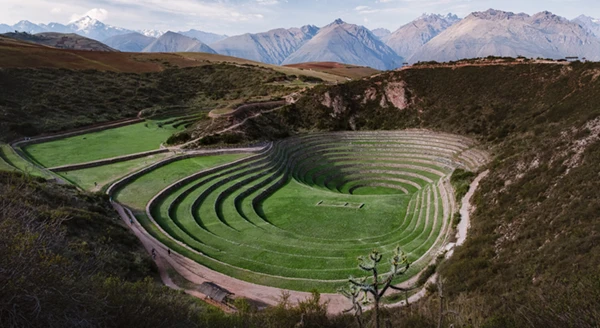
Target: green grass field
{"points": [[10, 160], [299, 215], [139, 193], [95, 178], [121, 141]]}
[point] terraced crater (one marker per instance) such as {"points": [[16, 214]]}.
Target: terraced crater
{"points": [[298, 214]]}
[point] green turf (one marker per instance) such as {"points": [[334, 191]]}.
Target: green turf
{"points": [[115, 142], [299, 201], [93, 179], [286, 218], [4, 165], [13, 159], [139, 193]]}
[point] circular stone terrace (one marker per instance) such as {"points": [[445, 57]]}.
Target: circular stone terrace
{"points": [[299, 213]]}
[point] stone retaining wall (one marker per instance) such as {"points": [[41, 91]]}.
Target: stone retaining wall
{"points": [[87, 165]]}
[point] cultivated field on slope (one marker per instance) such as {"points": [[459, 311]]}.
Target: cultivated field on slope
{"points": [[140, 191], [130, 139], [95, 178], [345, 70], [297, 215]]}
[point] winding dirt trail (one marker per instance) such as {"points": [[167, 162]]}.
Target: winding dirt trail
{"points": [[466, 209]]}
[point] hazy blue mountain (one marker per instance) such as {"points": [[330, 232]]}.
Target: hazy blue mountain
{"points": [[205, 37], [500, 33], [349, 44], [130, 42], [27, 26], [6, 28], [409, 38], [381, 32], [271, 47], [174, 42], [590, 23]]}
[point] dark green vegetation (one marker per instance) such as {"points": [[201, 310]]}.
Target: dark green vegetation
{"points": [[34, 101], [68, 261], [60, 262], [461, 180], [293, 217], [533, 252]]}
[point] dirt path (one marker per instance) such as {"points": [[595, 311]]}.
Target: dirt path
{"points": [[466, 209], [198, 274], [228, 128]]}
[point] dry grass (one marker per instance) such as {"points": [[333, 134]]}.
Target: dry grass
{"points": [[344, 70], [19, 54]]}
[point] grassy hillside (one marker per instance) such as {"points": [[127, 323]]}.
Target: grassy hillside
{"points": [[68, 261], [19, 54], [532, 255], [61, 40], [345, 70], [49, 100]]}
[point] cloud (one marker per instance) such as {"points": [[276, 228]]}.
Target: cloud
{"points": [[96, 13], [56, 10], [267, 2]]}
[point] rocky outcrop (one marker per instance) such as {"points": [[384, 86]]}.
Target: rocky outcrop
{"points": [[395, 93]]}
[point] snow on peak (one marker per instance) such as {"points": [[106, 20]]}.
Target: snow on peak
{"points": [[85, 23], [152, 33]]}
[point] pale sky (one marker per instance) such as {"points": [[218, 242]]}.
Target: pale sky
{"points": [[233, 17]]}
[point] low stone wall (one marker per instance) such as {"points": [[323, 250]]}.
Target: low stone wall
{"points": [[87, 165], [73, 133], [111, 190]]}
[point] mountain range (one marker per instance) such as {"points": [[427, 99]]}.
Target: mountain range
{"points": [[500, 33], [271, 47], [346, 43], [429, 37]]}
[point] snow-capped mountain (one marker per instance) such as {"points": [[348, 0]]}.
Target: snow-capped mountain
{"points": [[500, 33], [152, 33], [27, 26], [590, 23], [56, 27], [346, 43], [271, 47], [409, 38], [95, 29], [85, 26]]}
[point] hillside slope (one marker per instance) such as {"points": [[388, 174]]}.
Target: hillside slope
{"points": [[61, 41], [66, 259], [533, 251]]}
